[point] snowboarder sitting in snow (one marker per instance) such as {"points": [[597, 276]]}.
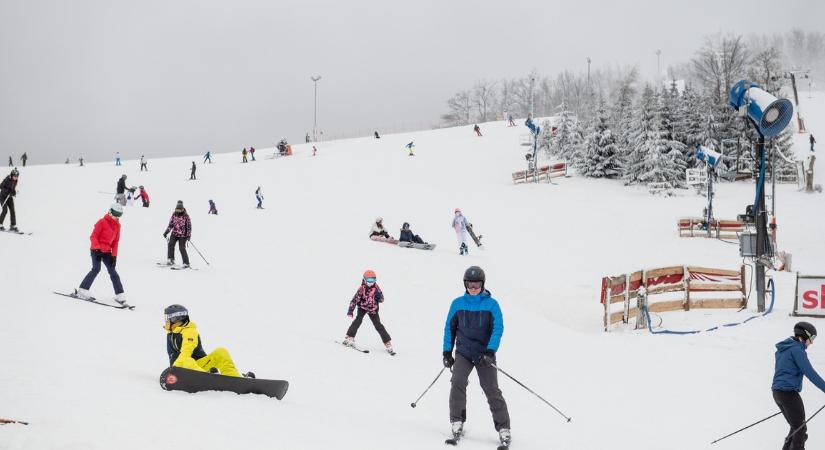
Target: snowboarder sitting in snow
{"points": [[378, 229], [408, 236], [183, 344], [181, 227], [212, 208], [367, 298], [377, 136]]}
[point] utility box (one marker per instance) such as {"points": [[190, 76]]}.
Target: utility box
{"points": [[747, 244]]}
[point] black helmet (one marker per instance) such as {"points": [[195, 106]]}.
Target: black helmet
{"points": [[176, 313], [405, 225], [14, 172], [474, 273], [804, 330]]}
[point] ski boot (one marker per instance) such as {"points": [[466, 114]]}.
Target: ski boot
{"points": [[121, 298], [249, 374], [170, 262], [349, 341], [14, 228], [388, 345], [504, 437], [185, 266], [458, 429], [83, 294], [2, 228]]}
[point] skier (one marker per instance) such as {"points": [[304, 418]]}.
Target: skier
{"points": [[409, 148], [367, 299], [120, 190], [813, 141], [185, 349], [81, 161], [243, 153], [144, 197], [408, 236], [314, 150], [260, 197], [192, 175], [791, 363], [181, 227], [212, 208], [117, 159], [460, 226], [477, 129], [307, 138], [377, 136], [252, 153], [207, 157], [378, 229], [8, 190], [474, 327], [143, 164], [24, 158], [105, 239], [510, 119]]}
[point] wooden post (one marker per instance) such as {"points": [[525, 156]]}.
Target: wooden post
{"points": [[686, 281], [742, 282]]}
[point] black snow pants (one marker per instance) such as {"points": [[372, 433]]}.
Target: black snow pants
{"points": [[790, 403], [376, 322], [8, 207], [181, 241], [488, 378]]}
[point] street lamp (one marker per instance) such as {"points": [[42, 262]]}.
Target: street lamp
{"points": [[532, 84], [658, 63], [315, 115], [588, 75]]}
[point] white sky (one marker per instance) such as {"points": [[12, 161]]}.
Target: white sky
{"points": [[180, 77]]}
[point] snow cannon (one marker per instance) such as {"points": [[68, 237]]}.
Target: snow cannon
{"points": [[708, 156], [769, 114]]}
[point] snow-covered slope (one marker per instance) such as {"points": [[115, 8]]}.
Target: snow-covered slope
{"points": [[280, 279]]}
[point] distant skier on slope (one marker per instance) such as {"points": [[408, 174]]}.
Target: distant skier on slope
{"points": [[243, 155], [378, 229], [144, 197], [791, 364], [193, 169], [376, 135], [252, 153], [408, 236], [459, 224], [474, 327], [409, 148], [207, 157], [212, 208], [367, 298], [477, 129], [185, 349], [8, 190], [180, 225], [143, 165], [259, 195], [105, 239]]}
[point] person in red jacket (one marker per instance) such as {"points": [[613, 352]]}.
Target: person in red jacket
{"points": [[144, 197], [105, 238]]}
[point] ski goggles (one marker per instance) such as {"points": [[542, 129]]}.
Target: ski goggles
{"points": [[473, 284], [370, 280]]}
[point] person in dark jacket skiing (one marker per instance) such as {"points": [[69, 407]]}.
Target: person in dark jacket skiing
{"points": [[377, 136], [252, 153], [259, 195], [408, 236], [474, 327], [813, 141], [24, 158], [477, 129], [180, 225], [791, 364], [192, 174], [8, 190], [366, 299], [207, 157], [212, 208], [243, 154], [185, 349], [105, 239]]}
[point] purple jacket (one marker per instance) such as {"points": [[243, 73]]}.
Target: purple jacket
{"points": [[180, 225], [367, 298]]}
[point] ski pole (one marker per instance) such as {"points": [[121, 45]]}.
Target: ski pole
{"points": [[787, 439], [199, 252], [5, 421], [745, 428], [490, 361], [413, 404]]}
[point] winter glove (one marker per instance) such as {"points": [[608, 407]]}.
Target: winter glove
{"points": [[488, 356], [448, 359], [166, 234]]}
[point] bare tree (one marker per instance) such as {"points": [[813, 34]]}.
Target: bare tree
{"points": [[460, 107], [484, 99], [764, 66], [719, 63]]}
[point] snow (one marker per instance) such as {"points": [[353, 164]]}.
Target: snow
{"points": [[280, 279]]}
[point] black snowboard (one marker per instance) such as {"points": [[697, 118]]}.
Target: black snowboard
{"points": [[476, 239], [180, 379]]}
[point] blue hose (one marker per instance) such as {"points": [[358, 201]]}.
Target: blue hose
{"points": [[724, 325]]}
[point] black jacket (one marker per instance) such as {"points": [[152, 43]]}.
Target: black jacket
{"points": [[8, 187], [121, 186]]}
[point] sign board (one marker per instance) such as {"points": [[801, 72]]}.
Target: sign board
{"points": [[696, 177], [810, 296]]}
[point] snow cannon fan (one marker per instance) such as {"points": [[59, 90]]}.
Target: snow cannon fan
{"points": [[770, 115], [708, 156]]}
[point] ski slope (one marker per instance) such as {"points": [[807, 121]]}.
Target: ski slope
{"points": [[280, 279]]}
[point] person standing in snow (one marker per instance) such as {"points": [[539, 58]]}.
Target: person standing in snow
{"points": [[252, 153], [813, 141], [260, 197], [143, 164], [11, 162], [212, 208], [512, 123], [24, 158], [120, 190], [791, 364], [243, 154], [477, 129], [105, 239], [207, 157], [408, 236], [144, 197], [180, 225], [378, 229], [366, 299], [8, 190], [460, 226], [409, 148], [474, 327], [194, 168], [184, 347], [117, 159], [314, 150]]}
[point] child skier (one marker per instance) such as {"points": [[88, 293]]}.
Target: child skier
{"points": [[105, 239], [212, 208], [791, 364], [144, 197], [260, 197], [408, 236], [143, 165], [252, 153], [183, 344], [207, 157], [460, 226], [8, 190], [409, 148], [181, 227], [378, 229], [367, 298], [243, 155]]}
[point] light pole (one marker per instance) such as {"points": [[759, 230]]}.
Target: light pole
{"points": [[588, 75], [315, 114], [658, 53], [532, 84]]}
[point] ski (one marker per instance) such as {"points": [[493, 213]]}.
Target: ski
{"points": [[353, 346], [93, 300], [174, 266], [453, 440], [17, 232], [503, 447]]}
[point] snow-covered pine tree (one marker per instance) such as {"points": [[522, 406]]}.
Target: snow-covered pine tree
{"points": [[676, 162], [642, 124], [695, 123], [545, 140], [575, 149], [785, 158], [622, 118], [600, 158], [561, 143]]}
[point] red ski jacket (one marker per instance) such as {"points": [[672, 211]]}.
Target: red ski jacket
{"points": [[144, 196], [106, 235]]}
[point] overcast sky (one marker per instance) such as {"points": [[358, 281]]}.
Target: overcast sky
{"points": [[176, 77]]}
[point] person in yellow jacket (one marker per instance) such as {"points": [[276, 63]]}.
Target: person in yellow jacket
{"points": [[183, 344]]}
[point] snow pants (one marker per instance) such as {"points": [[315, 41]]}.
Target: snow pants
{"points": [[790, 403], [181, 241], [488, 378], [221, 360], [121, 198], [109, 262], [143, 167], [192, 176], [8, 207], [462, 236], [376, 322], [260, 201]]}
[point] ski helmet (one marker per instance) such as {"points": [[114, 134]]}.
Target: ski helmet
{"points": [[369, 273], [474, 273], [176, 313], [405, 225], [14, 172], [116, 209], [804, 330]]}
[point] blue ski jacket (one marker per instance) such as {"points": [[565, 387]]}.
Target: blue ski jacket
{"points": [[791, 363], [474, 324]]}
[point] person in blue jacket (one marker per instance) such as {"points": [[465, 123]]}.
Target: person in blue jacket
{"points": [[474, 327], [791, 363]]}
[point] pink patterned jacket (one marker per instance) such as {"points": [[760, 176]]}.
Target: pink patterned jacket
{"points": [[367, 298]]}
